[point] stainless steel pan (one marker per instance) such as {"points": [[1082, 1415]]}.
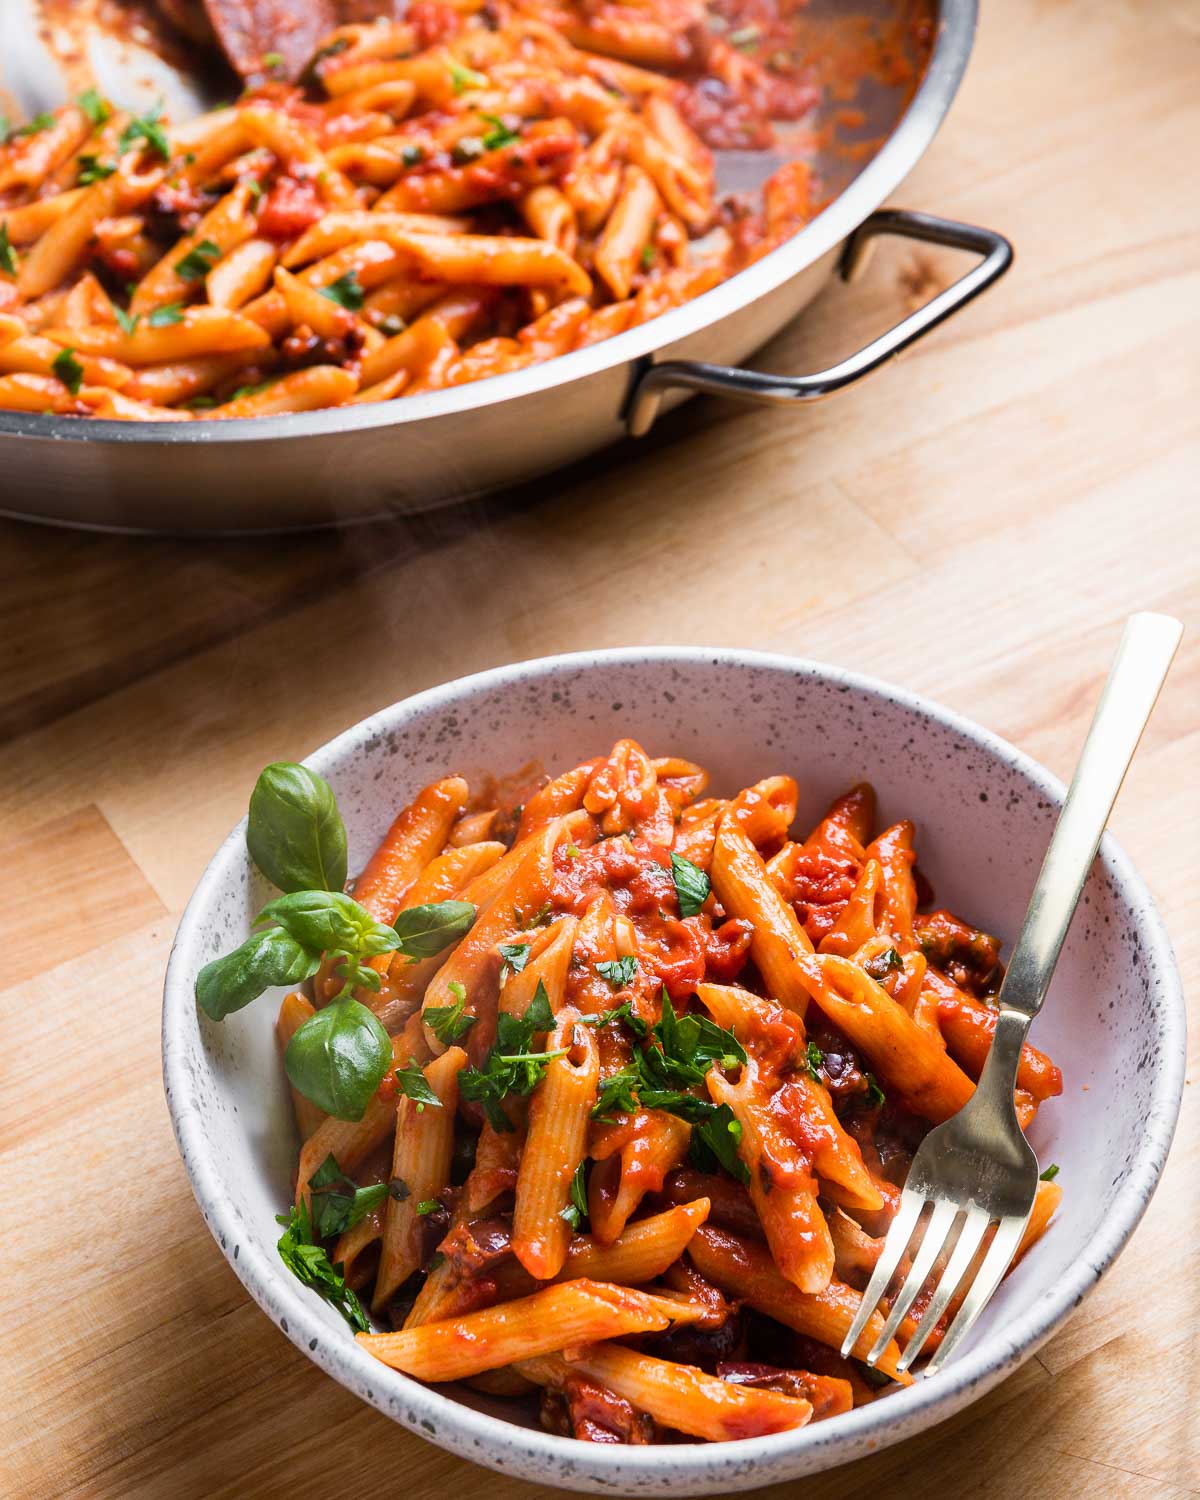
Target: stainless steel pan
{"points": [[408, 455]]}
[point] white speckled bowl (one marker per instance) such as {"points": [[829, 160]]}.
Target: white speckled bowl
{"points": [[1114, 1019]]}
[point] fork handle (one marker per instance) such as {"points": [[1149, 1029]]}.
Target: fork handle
{"points": [[1137, 673]]}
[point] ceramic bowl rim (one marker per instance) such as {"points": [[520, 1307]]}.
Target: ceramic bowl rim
{"points": [[506, 1445]]}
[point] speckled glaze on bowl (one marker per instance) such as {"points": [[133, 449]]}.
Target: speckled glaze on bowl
{"points": [[1114, 1019]]}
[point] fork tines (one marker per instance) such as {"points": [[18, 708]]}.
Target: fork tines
{"points": [[969, 1265]]}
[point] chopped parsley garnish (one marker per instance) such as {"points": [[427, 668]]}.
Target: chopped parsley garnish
{"points": [[576, 1210], [660, 1075], [69, 370], [883, 964], [618, 972], [515, 956], [272, 61], [465, 78], [338, 1203], [331, 49], [96, 108], [624, 1013], [511, 1067], [413, 1082], [500, 135], [31, 127], [412, 155], [691, 885], [428, 1206], [310, 1264], [814, 1061], [1050, 1173], [8, 256], [199, 261], [648, 256], [716, 1140], [449, 1023], [166, 315], [874, 1093], [346, 291], [147, 129], [92, 169], [526, 924]]}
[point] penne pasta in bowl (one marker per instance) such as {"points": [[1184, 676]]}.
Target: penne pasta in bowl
{"points": [[547, 1053]]}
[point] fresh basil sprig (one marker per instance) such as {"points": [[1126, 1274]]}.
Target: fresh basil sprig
{"points": [[339, 1057], [424, 931], [330, 921], [295, 833]]}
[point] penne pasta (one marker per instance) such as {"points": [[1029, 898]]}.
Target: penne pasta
{"points": [[543, 155], [659, 1062]]}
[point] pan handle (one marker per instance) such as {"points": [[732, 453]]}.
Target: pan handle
{"points": [[755, 385]]}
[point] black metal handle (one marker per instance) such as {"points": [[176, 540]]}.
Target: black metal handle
{"points": [[755, 385]]}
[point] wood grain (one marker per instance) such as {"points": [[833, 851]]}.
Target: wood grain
{"points": [[974, 524]]}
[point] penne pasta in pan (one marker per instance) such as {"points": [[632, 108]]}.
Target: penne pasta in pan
{"points": [[549, 160]]}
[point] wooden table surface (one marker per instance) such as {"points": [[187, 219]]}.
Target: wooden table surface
{"points": [[974, 523]]}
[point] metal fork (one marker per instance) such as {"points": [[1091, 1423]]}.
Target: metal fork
{"points": [[977, 1169]]}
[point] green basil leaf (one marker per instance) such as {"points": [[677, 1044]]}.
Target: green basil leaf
{"points": [[426, 930], [295, 834], [265, 959], [338, 1058], [691, 885], [329, 920], [874, 1092]]}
